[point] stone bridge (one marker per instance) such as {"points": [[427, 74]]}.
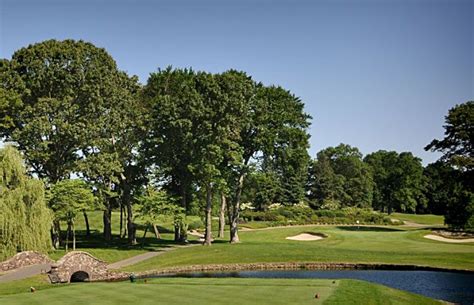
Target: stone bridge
{"points": [[79, 266]]}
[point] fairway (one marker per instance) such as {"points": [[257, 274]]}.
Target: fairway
{"points": [[427, 219], [350, 244], [172, 291]]}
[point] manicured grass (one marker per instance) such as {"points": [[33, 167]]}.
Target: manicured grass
{"points": [[351, 292], [428, 219], [40, 282], [117, 249], [345, 244], [211, 291]]}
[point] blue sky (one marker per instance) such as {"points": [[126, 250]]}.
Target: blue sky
{"points": [[373, 74]]}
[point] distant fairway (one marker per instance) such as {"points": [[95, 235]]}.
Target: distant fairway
{"points": [[428, 219], [351, 244], [393, 245], [227, 291]]}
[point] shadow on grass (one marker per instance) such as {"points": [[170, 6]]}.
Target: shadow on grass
{"points": [[368, 229], [96, 241]]}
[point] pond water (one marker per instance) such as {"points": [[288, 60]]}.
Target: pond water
{"points": [[448, 286]]}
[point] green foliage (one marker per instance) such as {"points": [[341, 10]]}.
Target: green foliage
{"points": [[281, 137], [339, 178], [457, 146], [68, 198], [460, 210], [399, 181], [458, 150], [299, 215], [441, 179], [25, 219], [154, 205], [56, 91]]}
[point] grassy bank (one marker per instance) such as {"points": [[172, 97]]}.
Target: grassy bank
{"points": [[428, 219], [349, 244], [219, 291]]}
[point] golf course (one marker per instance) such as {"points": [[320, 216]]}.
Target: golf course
{"points": [[236, 152], [400, 245]]}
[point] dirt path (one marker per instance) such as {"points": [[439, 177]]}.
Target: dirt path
{"points": [[25, 272]]}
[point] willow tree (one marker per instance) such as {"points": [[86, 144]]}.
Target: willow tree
{"points": [[25, 219]]}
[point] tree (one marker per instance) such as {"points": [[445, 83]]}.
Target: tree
{"points": [[25, 219], [441, 179], [261, 189], [69, 198], [324, 186], [457, 146], [156, 204], [341, 178], [460, 209], [60, 101], [458, 151], [399, 181], [274, 136], [175, 105], [111, 158]]}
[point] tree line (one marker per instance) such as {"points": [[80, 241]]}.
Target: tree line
{"points": [[191, 141]]}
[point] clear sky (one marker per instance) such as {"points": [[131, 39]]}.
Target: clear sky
{"points": [[373, 74]]}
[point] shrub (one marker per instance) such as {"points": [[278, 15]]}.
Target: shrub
{"points": [[195, 224]]}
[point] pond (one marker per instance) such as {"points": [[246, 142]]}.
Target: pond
{"points": [[448, 286]]}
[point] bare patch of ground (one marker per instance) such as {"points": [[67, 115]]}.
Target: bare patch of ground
{"points": [[197, 234], [306, 237]]}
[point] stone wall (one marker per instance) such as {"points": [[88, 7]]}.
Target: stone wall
{"points": [[291, 266], [23, 259]]}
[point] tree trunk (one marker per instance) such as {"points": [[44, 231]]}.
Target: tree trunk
{"points": [[235, 214], [56, 234], [131, 232], [73, 235], [222, 216], [125, 231], [107, 218], [208, 235], [144, 236], [157, 233], [184, 202], [121, 220], [177, 232], [86, 220], [67, 234]]}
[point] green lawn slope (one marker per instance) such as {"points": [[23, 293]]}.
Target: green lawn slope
{"points": [[172, 291]]}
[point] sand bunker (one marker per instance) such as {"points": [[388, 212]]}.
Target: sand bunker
{"points": [[449, 240], [306, 237]]}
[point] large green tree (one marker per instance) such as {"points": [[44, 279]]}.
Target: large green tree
{"points": [[339, 176], [399, 181], [175, 105], [457, 146], [25, 219], [69, 109], [273, 138], [458, 151], [441, 179]]}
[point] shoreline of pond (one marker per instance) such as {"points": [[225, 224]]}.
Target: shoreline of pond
{"points": [[290, 266]]}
